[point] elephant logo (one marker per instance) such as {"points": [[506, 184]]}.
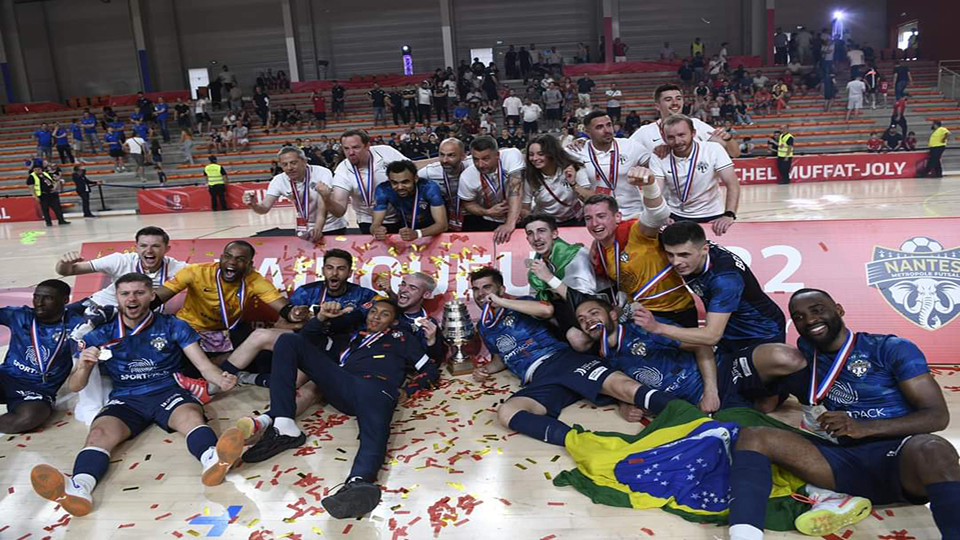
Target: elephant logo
{"points": [[921, 280]]}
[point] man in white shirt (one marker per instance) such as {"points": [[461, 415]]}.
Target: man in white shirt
{"points": [[690, 172], [453, 160], [356, 179], [857, 61], [307, 186], [136, 147], [668, 100], [511, 108], [531, 113], [613, 102], [667, 52], [200, 111], [855, 91], [424, 102], [491, 188]]}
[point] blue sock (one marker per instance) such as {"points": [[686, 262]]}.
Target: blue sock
{"points": [[944, 502], [263, 380], [200, 439], [651, 399], [750, 484], [541, 427], [93, 461], [229, 368]]}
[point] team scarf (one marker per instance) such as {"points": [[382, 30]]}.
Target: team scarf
{"points": [[35, 341], [452, 197], [121, 330], [614, 172], [560, 256], [605, 345], [366, 192], [163, 276], [490, 316], [241, 294], [684, 192], [367, 342], [818, 392], [493, 186], [412, 224], [302, 200]]}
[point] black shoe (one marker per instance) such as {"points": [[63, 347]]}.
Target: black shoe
{"points": [[356, 498], [63, 223], [272, 444], [49, 224]]}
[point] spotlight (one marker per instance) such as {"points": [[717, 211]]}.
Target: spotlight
{"points": [[838, 15], [405, 49]]}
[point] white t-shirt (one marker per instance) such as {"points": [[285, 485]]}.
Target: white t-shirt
{"points": [[346, 178], [649, 136], [470, 188], [856, 89], [531, 112], [450, 86], [280, 187], [449, 185], [424, 95], [613, 98], [856, 57], [200, 106], [512, 104], [544, 199], [135, 145], [627, 194], [705, 198], [118, 264]]}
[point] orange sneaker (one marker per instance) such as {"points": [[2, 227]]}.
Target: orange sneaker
{"points": [[229, 448], [50, 484]]}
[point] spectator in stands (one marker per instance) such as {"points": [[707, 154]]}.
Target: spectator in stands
{"points": [[227, 139], [136, 146], [490, 84], [781, 42], [378, 100], [697, 48], [715, 67], [460, 112], [182, 113], [77, 132], [613, 102], [410, 103], [115, 148], [395, 102], [161, 111], [89, 123], [780, 94], [510, 63], [144, 107], [46, 189], [871, 78], [585, 85], [892, 140], [898, 117], [201, 112], [667, 53], [857, 61], [785, 145], [631, 123], [856, 89], [261, 102], [760, 80], [554, 184], [156, 149], [424, 102], [829, 89], [441, 91], [901, 79], [686, 74], [910, 143], [803, 39], [714, 111], [338, 96], [83, 186], [937, 145], [62, 139], [283, 82], [553, 103], [216, 184], [141, 129], [531, 113], [874, 143], [44, 139], [582, 111], [827, 52], [525, 63], [619, 50], [699, 68], [728, 111], [227, 79], [746, 147], [186, 139], [241, 137], [741, 112], [236, 98]]}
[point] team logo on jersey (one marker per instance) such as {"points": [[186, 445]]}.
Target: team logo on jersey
{"points": [[506, 343], [159, 343], [858, 366], [509, 320], [30, 356], [920, 279], [702, 167], [141, 365], [843, 393], [649, 376], [397, 335], [624, 257], [638, 348]]}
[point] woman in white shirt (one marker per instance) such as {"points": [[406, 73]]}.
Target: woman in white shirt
{"points": [[554, 184]]}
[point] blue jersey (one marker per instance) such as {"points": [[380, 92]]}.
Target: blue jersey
{"points": [[44, 138], [728, 286], [21, 360], [76, 131], [162, 111], [144, 363], [520, 340], [355, 296], [657, 362], [89, 124], [142, 130], [868, 385], [61, 135], [429, 195], [118, 128], [136, 116], [115, 139]]}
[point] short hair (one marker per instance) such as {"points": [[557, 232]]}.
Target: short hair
{"points": [[242, 243], [60, 286], [809, 290], [337, 253], [403, 165], [364, 136], [937, 123], [287, 149], [549, 220], [682, 232], [675, 119], [134, 277], [603, 198], [213, 159], [152, 231], [484, 143], [389, 301], [456, 141], [427, 280], [604, 303], [487, 271], [589, 118], [665, 88]]}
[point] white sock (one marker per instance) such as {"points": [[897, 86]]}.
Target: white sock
{"points": [[286, 426], [264, 420], [209, 457], [85, 481], [742, 531], [212, 388], [245, 377], [819, 493]]}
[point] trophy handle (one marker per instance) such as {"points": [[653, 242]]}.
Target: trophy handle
{"points": [[460, 364]]}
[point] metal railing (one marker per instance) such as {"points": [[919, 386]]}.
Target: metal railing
{"points": [[948, 79]]}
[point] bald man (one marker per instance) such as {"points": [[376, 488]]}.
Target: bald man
{"points": [[453, 160]]}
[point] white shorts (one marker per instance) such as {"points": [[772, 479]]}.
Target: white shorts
{"points": [[855, 103]]}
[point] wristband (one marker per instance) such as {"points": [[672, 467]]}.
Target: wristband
{"points": [[419, 233], [651, 191], [555, 283], [730, 214], [285, 312]]}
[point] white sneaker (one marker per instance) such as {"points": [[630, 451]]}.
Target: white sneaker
{"points": [[831, 511], [50, 484]]}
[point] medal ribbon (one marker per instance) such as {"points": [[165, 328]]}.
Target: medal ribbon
{"points": [[684, 193], [367, 341], [605, 345], [241, 294], [35, 339], [490, 317], [121, 331], [546, 185], [163, 276], [639, 296], [616, 260], [366, 192], [302, 202], [452, 197], [416, 209], [614, 173], [491, 185], [706, 266], [817, 393]]}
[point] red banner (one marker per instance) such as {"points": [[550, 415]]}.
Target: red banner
{"points": [[19, 209], [827, 167], [902, 278], [197, 198]]}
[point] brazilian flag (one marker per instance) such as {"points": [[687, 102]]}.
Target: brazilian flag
{"points": [[679, 463]]}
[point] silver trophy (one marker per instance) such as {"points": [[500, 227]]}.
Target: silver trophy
{"points": [[457, 330]]}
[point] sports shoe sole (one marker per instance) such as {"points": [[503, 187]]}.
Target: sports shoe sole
{"points": [[229, 448], [823, 522], [248, 428], [49, 483], [348, 505]]}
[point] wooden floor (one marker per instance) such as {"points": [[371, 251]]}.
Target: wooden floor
{"points": [[453, 472]]}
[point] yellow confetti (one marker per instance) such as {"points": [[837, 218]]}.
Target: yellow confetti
{"points": [[192, 532], [318, 531], [456, 485], [340, 239], [253, 522], [206, 510], [547, 476]]}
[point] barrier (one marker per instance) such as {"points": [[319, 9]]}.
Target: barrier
{"points": [[19, 209], [892, 276], [197, 198], [828, 167], [646, 66]]}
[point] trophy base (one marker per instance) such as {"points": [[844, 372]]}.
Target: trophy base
{"points": [[461, 368]]}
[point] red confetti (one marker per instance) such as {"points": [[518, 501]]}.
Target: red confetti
{"points": [[648, 531], [10, 490], [549, 537], [164, 516], [346, 530], [876, 515], [126, 525], [504, 501], [888, 512], [823, 246], [159, 477], [461, 522], [177, 534], [134, 466], [154, 506], [552, 503], [898, 535], [189, 519]]}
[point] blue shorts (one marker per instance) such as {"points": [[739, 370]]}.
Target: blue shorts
{"points": [[736, 362], [138, 412], [15, 393], [564, 379], [868, 469]]}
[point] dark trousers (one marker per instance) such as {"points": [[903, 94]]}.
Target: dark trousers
{"points": [[529, 128], [472, 223], [66, 153], [934, 168], [614, 113], [783, 165], [48, 202], [85, 202], [440, 103], [218, 194], [370, 400], [263, 113], [423, 113], [398, 115]]}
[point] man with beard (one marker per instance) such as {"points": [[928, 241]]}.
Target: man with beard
{"points": [[365, 383], [357, 177], [38, 358], [491, 188], [690, 172], [419, 202], [453, 160], [668, 100], [141, 353], [874, 398]]}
